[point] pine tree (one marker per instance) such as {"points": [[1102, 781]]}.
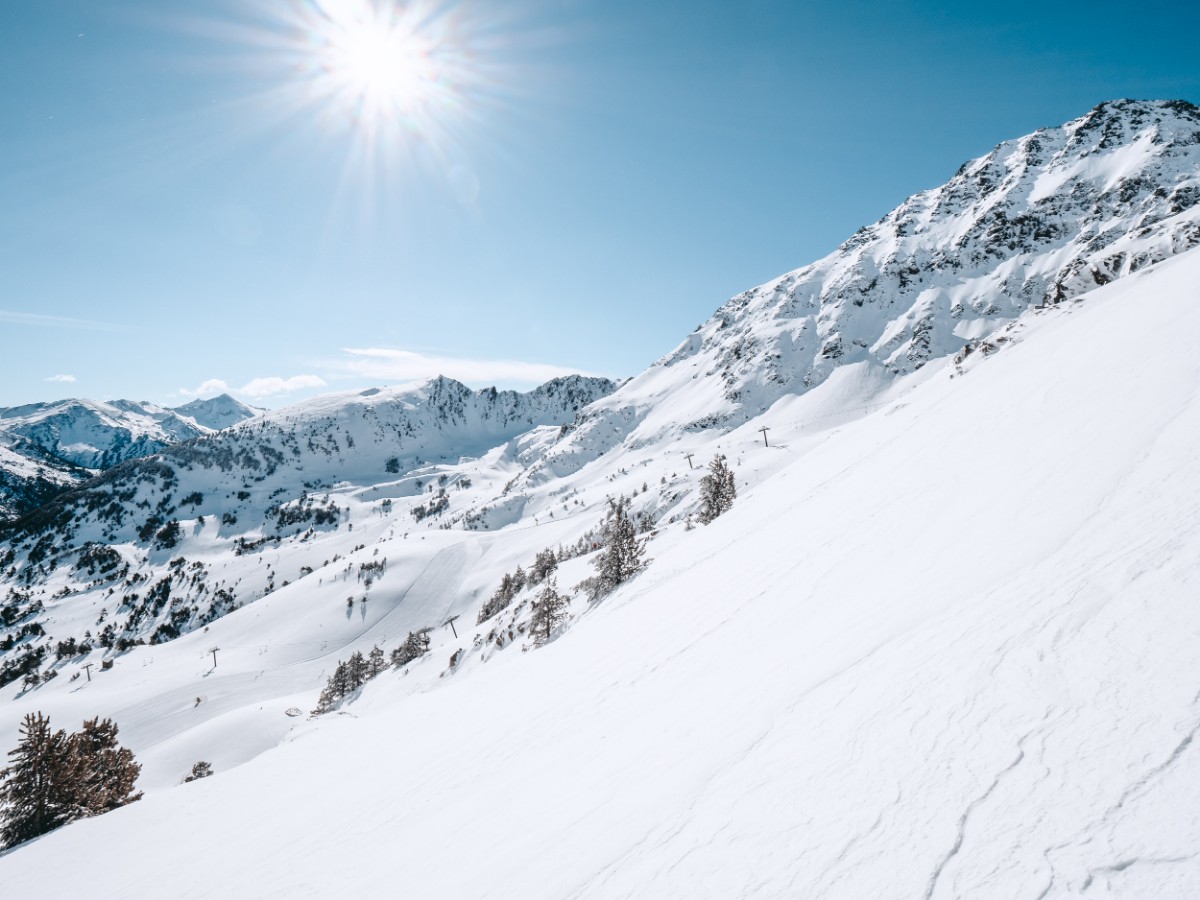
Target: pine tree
{"points": [[356, 672], [33, 798], [549, 611], [335, 689], [415, 646], [499, 600], [545, 563], [55, 778], [375, 661], [100, 771], [622, 554], [200, 770], [717, 490]]}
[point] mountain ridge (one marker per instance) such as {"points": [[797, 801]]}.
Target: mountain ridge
{"points": [[1038, 220]]}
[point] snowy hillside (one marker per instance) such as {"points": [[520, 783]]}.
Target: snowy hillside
{"points": [[30, 475], [296, 481], [1039, 220], [944, 651], [941, 646]]}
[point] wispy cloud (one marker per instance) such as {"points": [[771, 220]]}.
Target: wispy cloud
{"points": [[62, 379], [37, 320], [390, 365], [257, 387]]}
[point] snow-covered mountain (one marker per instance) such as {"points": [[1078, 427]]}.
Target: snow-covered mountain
{"points": [[1038, 220], [217, 412], [98, 435], [283, 476], [47, 444], [940, 647]]}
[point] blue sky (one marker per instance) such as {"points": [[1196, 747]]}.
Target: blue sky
{"points": [[196, 195]]}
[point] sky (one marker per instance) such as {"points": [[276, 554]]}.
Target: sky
{"points": [[279, 198]]}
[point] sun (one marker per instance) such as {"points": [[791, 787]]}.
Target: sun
{"points": [[381, 66], [402, 89], [395, 74]]}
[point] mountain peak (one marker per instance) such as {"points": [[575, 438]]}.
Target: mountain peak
{"points": [[1039, 220], [217, 412]]}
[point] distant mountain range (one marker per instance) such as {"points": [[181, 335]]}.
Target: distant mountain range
{"points": [[65, 441]]}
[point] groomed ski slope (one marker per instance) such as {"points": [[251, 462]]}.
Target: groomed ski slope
{"points": [[951, 652]]}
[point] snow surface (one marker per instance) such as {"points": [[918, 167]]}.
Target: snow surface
{"points": [[941, 647]]}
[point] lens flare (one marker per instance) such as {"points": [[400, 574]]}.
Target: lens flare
{"points": [[405, 88], [387, 67]]}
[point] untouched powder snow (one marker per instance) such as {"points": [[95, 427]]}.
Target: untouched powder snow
{"points": [[945, 650]]}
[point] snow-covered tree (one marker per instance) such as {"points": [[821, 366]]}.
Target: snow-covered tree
{"points": [[622, 554], [717, 490], [549, 611]]}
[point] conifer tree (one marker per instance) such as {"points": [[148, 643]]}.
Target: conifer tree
{"points": [[33, 798], [622, 553], [717, 490], [100, 771], [376, 662], [335, 689], [356, 672], [415, 646], [200, 770], [499, 600], [55, 778], [545, 563], [549, 611]]}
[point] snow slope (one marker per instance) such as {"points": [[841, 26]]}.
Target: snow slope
{"points": [[944, 650]]}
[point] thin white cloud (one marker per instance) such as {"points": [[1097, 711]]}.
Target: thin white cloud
{"points": [[12, 317], [267, 387], [210, 388], [256, 387], [62, 379], [381, 364]]}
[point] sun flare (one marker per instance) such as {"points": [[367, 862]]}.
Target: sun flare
{"points": [[393, 74], [381, 69]]}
